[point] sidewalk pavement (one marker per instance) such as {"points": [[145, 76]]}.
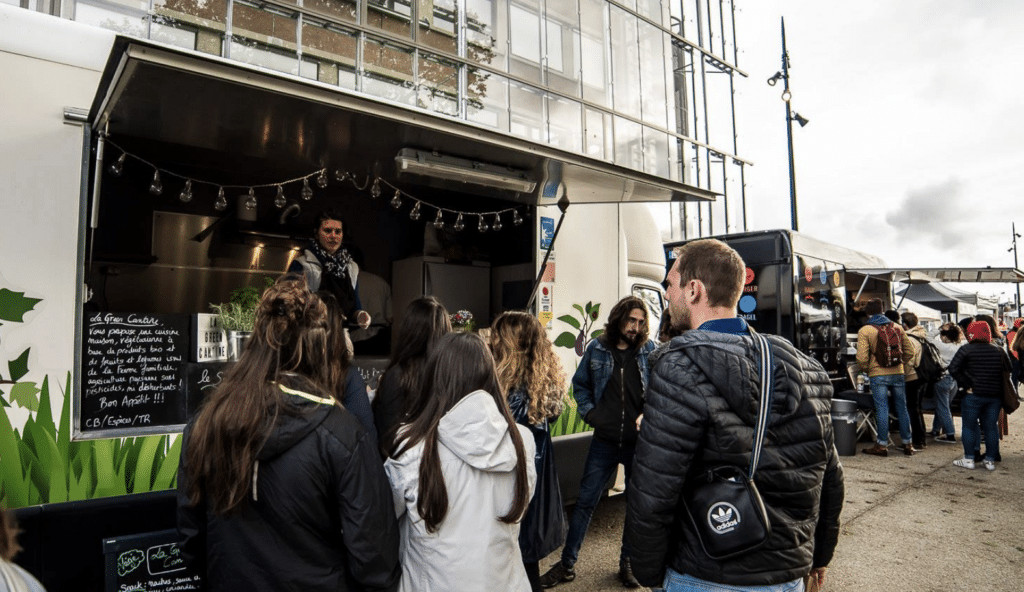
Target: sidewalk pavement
{"points": [[910, 523]]}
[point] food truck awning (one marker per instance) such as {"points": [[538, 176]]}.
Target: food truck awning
{"points": [[926, 275], [191, 110]]}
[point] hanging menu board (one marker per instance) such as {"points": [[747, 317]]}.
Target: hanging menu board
{"points": [[150, 562], [133, 374]]}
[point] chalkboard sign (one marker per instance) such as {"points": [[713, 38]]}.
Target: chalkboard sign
{"points": [[200, 382], [133, 374], [150, 562]]}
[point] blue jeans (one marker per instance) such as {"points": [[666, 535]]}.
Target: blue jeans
{"points": [[602, 459], [677, 582], [945, 388], [987, 409], [880, 387]]}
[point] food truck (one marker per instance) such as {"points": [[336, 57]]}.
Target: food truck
{"points": [[143, 183], [811, 292]]}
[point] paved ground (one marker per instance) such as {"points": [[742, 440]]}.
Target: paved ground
{"points": [[913, 524]]}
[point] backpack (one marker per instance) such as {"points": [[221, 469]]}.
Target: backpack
{"points": [[889, 345], [929, 369]]}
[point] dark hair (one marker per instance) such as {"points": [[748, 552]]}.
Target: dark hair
{"points": [[8, 535], [892, 315], [613, 328], [665, 330], [290, 335], [460, 364], [952, 332], [963, 323], [424, 323], [717, 265], [1018, 341], [326, 215], [909, 319], [873, 307], [339, 352]]}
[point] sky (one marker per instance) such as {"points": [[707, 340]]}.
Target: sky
{"points": [[916, 137]]}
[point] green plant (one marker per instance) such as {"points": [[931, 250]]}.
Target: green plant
{"points": [[239, 312], [570, 421]]}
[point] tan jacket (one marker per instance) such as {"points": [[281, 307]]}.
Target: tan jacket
{"points": [[910, 368], [866, 339]]}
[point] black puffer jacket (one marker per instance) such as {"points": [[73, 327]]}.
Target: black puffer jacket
{"points": [[979, 366], [320, 516], [701, 409]]}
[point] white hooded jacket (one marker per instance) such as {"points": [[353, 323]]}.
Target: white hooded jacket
{"points": [[471, 550]]}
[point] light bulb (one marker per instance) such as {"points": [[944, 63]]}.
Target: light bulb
{"points": [[307, 193], [250, 201], [497, 222], [396, 201], [321, 179], [340, 175], [117, 167], [459, 224], [222, 202], [482, 226], [439, 221], [186, 191], [280, 201], [156, 187], [415, 213], [516, 219], [375, 190]]}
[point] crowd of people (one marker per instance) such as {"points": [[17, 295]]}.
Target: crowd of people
{"points": [[976, 360], [291, 479]]}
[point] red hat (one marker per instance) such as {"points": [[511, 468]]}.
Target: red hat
{"points": [[979, 331], [1017, 323]]}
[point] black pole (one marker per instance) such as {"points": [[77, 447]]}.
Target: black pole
{"points": [[789, 130], [563, 205], [1013, 226]]}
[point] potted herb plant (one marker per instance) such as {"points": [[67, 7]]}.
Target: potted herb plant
{"points": [[237, 317]]}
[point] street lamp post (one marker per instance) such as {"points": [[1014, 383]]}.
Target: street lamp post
{"points": [[791, 116], [1013, 226]]}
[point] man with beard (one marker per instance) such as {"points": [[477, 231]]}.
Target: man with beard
{"points": [[701, 411], [609, 389]]}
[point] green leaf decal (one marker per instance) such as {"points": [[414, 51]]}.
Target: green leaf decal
{"points": [[568, 319], [19, 367], [566, 339], [24, 394], [14, 305], [597, 333]]}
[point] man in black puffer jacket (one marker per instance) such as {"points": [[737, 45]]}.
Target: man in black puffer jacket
{"points": [[701, 409]]}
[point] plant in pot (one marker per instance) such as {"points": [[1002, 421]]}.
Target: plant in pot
{"points": [[237, 317]]}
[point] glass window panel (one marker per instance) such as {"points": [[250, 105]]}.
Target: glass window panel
{"points": [[525, 33], [438, 88], [487, 99], [330, 43], [393, 16], [272, 58], [554, 45], [172, 34], [598, 136], [388, 70], [674, 167], [486, 33], [271, 28], [653, 10], [653, 90], [211, 10], [594, 51], [110, 18], [625, 62], [656, 152], [564, 124], [345, 10], [438, 25], [526, 112], [629, 144]]}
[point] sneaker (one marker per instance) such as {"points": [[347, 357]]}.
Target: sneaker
{"points": [[946, 439], [558, 573], [626, 574], [877, 450], [908, 449], [920, 446], [964, 463], [989, 464], [933, 434]]}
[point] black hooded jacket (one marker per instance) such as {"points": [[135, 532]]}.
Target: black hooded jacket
{"points": [[702, 405], [319, 517]]}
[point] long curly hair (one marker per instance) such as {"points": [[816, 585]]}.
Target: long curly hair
{"points": [[526, 359]]}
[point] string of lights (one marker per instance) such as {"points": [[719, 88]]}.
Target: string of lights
{"points": [[156, 187]]}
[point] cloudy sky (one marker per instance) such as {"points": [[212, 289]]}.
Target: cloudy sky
{"points": [[916, 137]]}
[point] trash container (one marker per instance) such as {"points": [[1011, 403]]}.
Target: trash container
{"points": [[844, 426]]}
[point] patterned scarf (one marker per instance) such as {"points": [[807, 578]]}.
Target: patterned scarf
{"points": [[335, 265]]}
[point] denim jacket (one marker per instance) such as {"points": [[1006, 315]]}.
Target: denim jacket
{"points": [[595, 370]]}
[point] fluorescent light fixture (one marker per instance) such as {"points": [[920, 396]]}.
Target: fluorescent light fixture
{"points": [[419, 162]]}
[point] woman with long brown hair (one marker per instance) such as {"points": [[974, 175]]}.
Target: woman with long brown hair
{"points": [[279, 486], [461, 475], [534, 382], [346, 383], [425, 322]]}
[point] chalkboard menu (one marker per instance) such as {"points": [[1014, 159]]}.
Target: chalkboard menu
{"points": [[133, 373], [150, 562]]}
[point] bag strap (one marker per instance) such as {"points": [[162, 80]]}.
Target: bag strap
{"points": [[765, 372]]}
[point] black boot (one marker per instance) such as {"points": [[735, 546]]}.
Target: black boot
{"points": [[626, 574]]}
